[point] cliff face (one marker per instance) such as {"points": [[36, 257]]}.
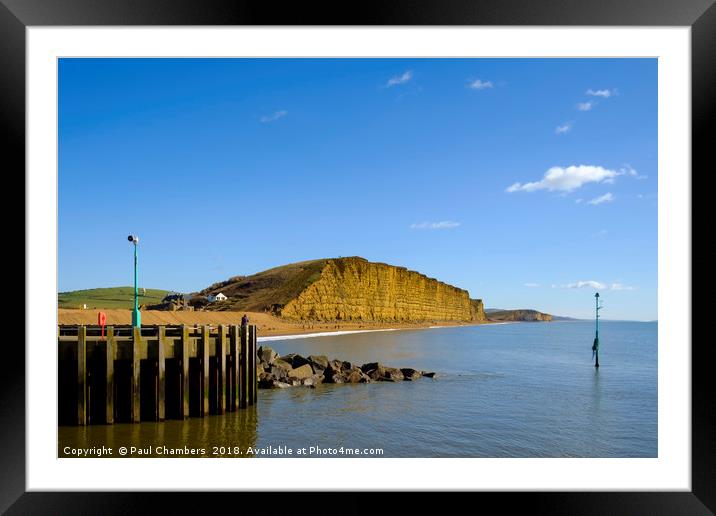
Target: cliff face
{"points": [[477, 310], [347, 289], [356, 289]]}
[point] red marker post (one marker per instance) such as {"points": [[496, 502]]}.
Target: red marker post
{"points": [[102, 320]]}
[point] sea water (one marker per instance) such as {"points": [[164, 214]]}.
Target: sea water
{"points": [[503, 390]]}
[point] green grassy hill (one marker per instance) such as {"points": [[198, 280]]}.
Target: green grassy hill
{"points": [[262, 290], [115, 297]]}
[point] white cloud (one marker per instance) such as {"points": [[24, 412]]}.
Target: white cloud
{"points": [[531, 285], [586, 106], [399, 79], [619, 286], [561, 129], [275, 116], [607, 197], [478, 84], [566, 179], [596, 285], [578, 201], [586, 284], [601, 93], [443, 224], [629, 170]]}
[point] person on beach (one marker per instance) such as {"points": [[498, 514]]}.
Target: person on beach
{"points": [[245, 320]]}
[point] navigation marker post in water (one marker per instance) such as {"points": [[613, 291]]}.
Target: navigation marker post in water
{"points": [[595, 346]]}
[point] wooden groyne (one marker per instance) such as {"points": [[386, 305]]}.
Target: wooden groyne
{"points": [[154, 373]]}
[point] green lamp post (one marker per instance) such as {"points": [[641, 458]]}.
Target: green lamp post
{"points": [[595, 346], [136, 317]]}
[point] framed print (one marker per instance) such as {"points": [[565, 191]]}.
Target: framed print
{"points": [[421, 249]]}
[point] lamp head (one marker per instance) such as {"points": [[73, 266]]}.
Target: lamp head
{"points": [[133, 238]]}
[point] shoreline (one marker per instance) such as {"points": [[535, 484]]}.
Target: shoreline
{"points": [[274, 338], [269, 326]]}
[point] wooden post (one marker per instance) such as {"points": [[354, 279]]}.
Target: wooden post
{"points": [[251, 364], [109, 377], [161, 373], [241, 367], [221, 364], [82, 375], [185, 371], [234, 350], [244, 367], [254, 376], [136, 357], [205, 371]]}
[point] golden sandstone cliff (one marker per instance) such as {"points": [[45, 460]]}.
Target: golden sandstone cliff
{"points": [[356, 289], [349, 289]]}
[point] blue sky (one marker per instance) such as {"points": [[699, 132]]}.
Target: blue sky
{"points": [[528, 182]]}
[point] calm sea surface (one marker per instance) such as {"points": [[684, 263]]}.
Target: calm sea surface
{"points": [[510, 390]]}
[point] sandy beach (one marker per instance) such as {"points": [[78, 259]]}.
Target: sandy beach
{"points": [[268, 325]]}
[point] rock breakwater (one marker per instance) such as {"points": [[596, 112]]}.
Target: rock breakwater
{"points": [[293, 370]]}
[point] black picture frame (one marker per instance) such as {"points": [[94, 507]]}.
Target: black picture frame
{"points": [[16, 15]]}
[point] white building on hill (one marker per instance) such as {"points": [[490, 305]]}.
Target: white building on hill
{"points": [[217, 297]]}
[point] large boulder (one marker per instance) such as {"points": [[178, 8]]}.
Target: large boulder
{"points": [[357, 376], [280, 362], [353, 377], [296, 360], [333, 373], [334, 367], [410, 374], [370, 366], [308, 382], [389, 374], [301, 372], [318, 362], [394, 374], [266, 381], [376, 374], [280, 373], [299, 361], [281, 369], [288, 358], [374, 370], [266, 354]]}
